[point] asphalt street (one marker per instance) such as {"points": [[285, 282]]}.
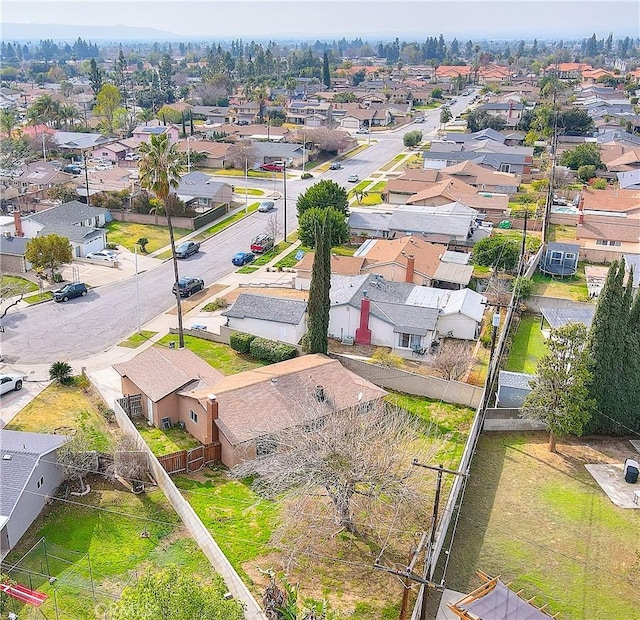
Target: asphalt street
{"points": [[88, 325]]}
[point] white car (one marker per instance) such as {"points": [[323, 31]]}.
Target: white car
{"points": [[131, 157], [353, 178], [9, 382], [101, 167], [108, 255]]}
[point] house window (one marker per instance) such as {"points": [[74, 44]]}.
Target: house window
{"points": [[40, 482], [265, 446], [193, 415], [505, 167], [616, 244], [409, 341]]}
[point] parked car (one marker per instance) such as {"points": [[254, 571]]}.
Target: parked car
{"points": [[9, 382], [362, 130], [72, 169], [131, 157], [242, 258], [335, 165], [243, 122], [262, 243], [188, 286], [186, 249], [101, 167], [266, 206], [108, 255], [274, 166], [353, 178], [419, 119], [69, 291], [97, 160]]}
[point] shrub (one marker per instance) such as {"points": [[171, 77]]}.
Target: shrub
{"points": [[217, 304], [82, 382], [523, 287], [486, 337], [271, 351], [386, 358], [586, 172], [540, 185], [241, 342], [306, 175], [60, 372], [599, 184], [112, 246]]}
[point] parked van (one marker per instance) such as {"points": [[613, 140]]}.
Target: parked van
{"points": [[262, 243]]}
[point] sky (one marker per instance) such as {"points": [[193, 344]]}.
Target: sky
{"points": [[304, 19]]}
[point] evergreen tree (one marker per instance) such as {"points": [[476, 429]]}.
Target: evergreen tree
{"points": [[607, 346], [632, 363], [319, 302], [96, 76], [326, 74]]}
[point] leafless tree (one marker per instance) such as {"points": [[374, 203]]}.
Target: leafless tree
{"points": [[77, 459], [453, 359], [563, 177], [325, 139], [499, 290], [242, 153], [272, 227], [129, 460], [11, 293], [360, 458]]}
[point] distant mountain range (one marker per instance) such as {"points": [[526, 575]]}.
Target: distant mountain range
{"points": [[59, 32]]}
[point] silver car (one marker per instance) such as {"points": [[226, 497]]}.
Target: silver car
{"points": [[266, 206]]}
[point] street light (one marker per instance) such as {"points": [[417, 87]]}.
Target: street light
{"points": [[135, 251]]}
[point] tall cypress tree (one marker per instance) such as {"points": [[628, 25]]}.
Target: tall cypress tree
{"points": [[326, 74], [319, 302], [608, 338], [632, 364]]}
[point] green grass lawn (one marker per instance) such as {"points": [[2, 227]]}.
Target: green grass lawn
{"points": [[540, 521], [220, 356], [127, 234], [247, 269], [560, 233], [166, 441], [134, 341], [38, 297], [15, 285], [99, 536], [573, 287], [528, 345], [289, 260], [267, 257], [63, 407], [249, 191], [239, 520]]}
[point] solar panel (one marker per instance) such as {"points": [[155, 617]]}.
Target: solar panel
{"points": [[557, 317]]}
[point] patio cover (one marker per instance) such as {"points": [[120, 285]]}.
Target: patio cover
{"points": [[502, 604]]}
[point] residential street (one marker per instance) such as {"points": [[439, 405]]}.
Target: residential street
{"points": [[86, 326]]}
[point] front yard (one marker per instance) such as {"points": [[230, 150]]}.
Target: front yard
{"points": [[127, 234], [540, 521]]}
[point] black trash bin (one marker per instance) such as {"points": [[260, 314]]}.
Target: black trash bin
{"points": [[631, 476]]}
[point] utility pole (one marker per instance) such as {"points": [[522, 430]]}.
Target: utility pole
{"points": [[86, 176], [428, 539], [284, 188]]}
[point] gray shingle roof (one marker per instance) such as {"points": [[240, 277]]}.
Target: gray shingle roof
{"points": [[369, 221], [69, 214], [25, 450], [276, 309], [199, 185], [77, 234], [407, 319], [409, 221], [14, 246]]}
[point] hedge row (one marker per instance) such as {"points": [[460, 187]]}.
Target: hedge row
{"points": [[261, 348]]}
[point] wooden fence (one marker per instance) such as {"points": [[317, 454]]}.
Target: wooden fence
{"points": [[191, 460]]}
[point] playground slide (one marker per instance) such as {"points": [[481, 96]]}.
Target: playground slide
{"points": [[23, 594]]}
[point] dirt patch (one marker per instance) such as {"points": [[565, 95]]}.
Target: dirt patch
{"points": [[289, 293], [190, 303]]}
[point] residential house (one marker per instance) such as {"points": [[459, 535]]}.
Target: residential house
{"points": [[200, 191], [29, 475], [367, 223], [510, 112], [12, 251], [164, 378], [247, 112], [143, 133], [629, 179], [309, 113], [568, 70], [242, 412], [213, 115], [508, 161], [266, 152], [340, 265], [560, 259], [513, 388], [604, 239], [80, 142], [276, 318], [400, 315], [482, 178], [215, 152], [115, 179], [113, 152], [449, 73], [34, 177], [81, 224]]}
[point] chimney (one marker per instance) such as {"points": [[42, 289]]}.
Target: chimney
{"points": [[319, 393], [17, 222], [411, 265], [212, 413], [363, 333], [581, 210]]}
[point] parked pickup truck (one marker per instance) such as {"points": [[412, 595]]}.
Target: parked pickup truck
{"points": [[186, 249], [261, 243]]}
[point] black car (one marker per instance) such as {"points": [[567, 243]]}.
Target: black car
{"points": [[186, 249], [188, 286], [335, 165], [71, 169], [69, 291]]}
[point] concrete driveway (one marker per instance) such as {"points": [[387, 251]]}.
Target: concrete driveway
{"points": [[13, 402]]}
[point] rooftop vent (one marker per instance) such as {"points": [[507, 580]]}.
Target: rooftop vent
{"points": [[319, 394], [6, 457], [274, 381]]}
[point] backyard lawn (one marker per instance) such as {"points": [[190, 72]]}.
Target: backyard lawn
{"points": [[560, 233], [573, 287], [165, 441], [220, 356], [528, 345], [127, 234], [540, 521], [63, 409], [107, 535]]}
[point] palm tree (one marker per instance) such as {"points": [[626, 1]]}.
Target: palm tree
{"points": [[145, 115], [160, 172], [8, 122]]}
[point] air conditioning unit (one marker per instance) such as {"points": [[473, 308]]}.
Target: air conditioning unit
{"points": [[348, 341]]}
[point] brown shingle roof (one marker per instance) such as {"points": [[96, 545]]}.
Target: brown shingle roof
{"points": [[159, 371], [609, 228], [340, 265], [618, 200], [251, 405]]}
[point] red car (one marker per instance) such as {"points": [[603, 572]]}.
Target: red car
{"points": [[274, 166]]}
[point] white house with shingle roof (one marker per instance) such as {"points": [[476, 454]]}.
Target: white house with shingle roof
{"points": [[276, 318], [29, 474]]}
